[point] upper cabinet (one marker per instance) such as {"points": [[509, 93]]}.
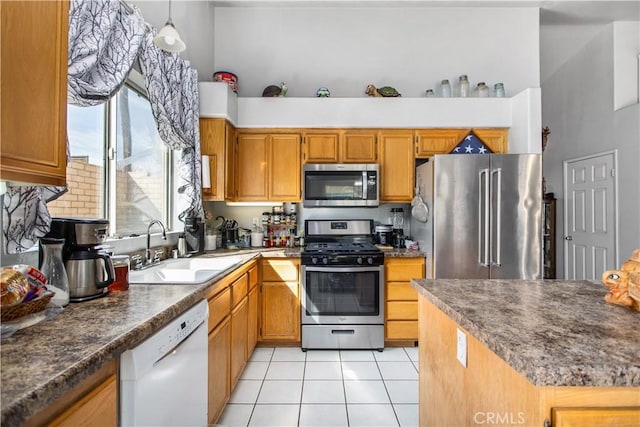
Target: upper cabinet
{"points": [[216, 136], [397, 168], [442, 141], [268, 167], [340, 146], [34, 91]]}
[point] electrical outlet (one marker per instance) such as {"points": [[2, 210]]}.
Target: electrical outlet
{"points": [[255, 221], [461, 352]]}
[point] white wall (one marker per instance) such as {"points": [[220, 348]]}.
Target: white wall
{"points": [[577, 105], [193, 20], [344, 49]]}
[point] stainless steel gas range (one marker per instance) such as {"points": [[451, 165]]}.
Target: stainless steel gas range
{"points": [[342, 286]]}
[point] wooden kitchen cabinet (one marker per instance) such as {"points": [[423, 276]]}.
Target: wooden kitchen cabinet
{"points": [[280, 300], [216, 138], [340, 146], [438, 141], [321, 146], [397, 167], [219, 366], [268, 167], [33, 91], [253, 310], [285, 168], [489, 386], [401, 308], [92, 402], [441, 141], [251, 167], [239, 322]]}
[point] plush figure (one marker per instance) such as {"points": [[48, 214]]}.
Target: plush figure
{"points": [[624, 284]]}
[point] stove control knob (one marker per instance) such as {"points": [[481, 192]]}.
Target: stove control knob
{"points": [[370, 261], [314, 260], [325, 260], [359, 260]]}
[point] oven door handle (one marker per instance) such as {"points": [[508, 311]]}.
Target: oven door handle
{"points": [[334, 269], [343, 331]]}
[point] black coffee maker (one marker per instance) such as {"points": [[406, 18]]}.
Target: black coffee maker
{"points": [[89, 269], [194, 234]]}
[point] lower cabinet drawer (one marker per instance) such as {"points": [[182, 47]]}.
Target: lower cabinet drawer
{"points": [[401, 330], [401, 291], [219, 308], [402, 310]]}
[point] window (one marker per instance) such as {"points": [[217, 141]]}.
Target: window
{"points": [[119, 167]]}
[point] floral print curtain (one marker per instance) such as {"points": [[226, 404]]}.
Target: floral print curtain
{"points": [[105, 38], [172, 87]]}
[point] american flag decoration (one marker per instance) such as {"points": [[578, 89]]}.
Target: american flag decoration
{"points": [[470, 145]]}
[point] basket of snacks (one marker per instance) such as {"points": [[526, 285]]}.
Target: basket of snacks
{"points": [[22, 292]]}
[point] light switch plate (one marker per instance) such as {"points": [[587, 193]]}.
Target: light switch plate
{"points": [[461, 352]]}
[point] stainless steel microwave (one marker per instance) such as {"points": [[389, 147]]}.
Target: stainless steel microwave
{"points": [[341, 184]]}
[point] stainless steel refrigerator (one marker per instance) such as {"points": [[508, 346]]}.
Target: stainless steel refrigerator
{"points": [[484, 216]]}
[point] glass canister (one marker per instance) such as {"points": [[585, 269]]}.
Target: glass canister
{"points": [[498, 90], [445, 89], [463, 86], [121, 266], [482, 90], [53, 269]]}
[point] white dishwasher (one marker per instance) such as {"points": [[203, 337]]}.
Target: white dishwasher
{"points": [[163, 381]]}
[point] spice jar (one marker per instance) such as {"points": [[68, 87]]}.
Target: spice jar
{"points": [[121, 265]]}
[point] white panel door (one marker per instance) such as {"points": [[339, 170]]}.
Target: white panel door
{"points": [[590, 244]]}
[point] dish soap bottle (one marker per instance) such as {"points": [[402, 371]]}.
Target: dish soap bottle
{"points": [[53, 269]]}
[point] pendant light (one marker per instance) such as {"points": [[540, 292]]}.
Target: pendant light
{"points": [[168, 38]]}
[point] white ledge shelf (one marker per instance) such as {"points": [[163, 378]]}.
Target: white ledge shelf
{"points": [[520, 113]]}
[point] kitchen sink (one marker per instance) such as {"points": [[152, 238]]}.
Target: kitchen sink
{"points": [[185, 271]]}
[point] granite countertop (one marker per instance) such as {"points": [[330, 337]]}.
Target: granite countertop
{"points": [[553, 332], [43, 362]]}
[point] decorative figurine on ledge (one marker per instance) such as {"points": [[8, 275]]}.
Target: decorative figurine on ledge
{"points": [[385, 91], [323, 92], [273, 90], [624, 284]]}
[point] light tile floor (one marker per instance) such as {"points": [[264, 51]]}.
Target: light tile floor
{"points": [[348, 388]]}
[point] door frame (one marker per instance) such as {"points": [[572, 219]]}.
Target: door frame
{"points": [[565, 167]]}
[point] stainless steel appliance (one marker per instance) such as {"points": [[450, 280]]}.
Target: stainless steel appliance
{"points": [[163, 381], [341, 185], [342, 297], [90, 270], [484, 216]]}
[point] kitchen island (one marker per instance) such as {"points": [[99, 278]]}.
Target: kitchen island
{"points": [[533, 349]]}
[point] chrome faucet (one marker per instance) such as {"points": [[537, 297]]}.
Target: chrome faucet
{"points": [[147, 253]]}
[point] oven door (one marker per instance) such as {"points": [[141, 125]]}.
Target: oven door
{"points": [[342, 295]]}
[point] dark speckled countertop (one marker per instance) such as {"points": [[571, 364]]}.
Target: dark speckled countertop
{"points": [[553, 332], [42, 362]]}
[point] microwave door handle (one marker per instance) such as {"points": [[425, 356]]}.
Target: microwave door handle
{"points": [[365, 185]]}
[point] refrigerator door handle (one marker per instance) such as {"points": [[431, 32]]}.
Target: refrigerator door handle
{"points": [[498, 218], [483, 218]]}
